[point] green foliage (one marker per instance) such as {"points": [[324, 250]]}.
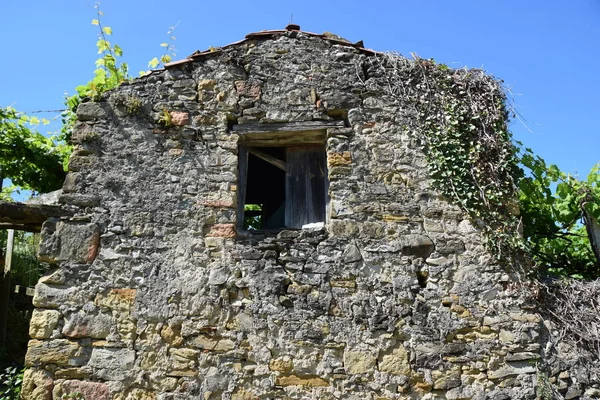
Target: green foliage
{"points": [[168, 54], [35, 162], [11, 380], [25, 269], [253, 220], [109, 73], [165, 118], [131, 103], [552, 219], [459, 120], [31, 160], [543, 387]]}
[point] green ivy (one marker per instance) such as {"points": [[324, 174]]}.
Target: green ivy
{"points": [[459, 118]]}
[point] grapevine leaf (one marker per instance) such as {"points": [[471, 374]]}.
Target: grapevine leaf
{"points": [[153, 63]]}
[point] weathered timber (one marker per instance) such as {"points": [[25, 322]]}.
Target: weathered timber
{"points": [[305, 187], [28, 217], [287, 127], [280, 135], [270, 159]]}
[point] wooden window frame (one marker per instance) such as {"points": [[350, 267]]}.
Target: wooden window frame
{"points": [[290, 135]]}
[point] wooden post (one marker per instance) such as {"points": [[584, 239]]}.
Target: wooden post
{"points": [[5, 293]]}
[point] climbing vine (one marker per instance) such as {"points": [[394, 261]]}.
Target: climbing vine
{"points": [[109, 73], [110, 70], [459, 118], [37, 162]]}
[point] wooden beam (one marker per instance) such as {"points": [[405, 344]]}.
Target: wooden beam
{"points": [[34, 228], [28, 217], [288, 134], [287, 127], [268, 158]]}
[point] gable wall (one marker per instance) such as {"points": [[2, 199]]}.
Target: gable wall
{"points": [[156, 296]]}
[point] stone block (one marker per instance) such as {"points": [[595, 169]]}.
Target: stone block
{"points": [[506, 336], [37, 385], [343, 228], [343, 283], [372, 230], [126, 328], [359, 362], [61, 352], [511, 369], [417, 245], [70, 183], [337, 159], [525, 317], [207, 84], [121, 299], [75, 242], [281, 364], [172, 335], [296, 380], [182, 359], [395, 361], [214, 343], [90, 111], [112, 363], [79, 199], [81, 324], [444, 380], [43, 323], [179, 118], [221, 230], [248, 89], [87, 390], [51, 296], [351, 254], [73, 373]]}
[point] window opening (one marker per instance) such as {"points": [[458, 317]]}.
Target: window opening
{"points": [[265, 189], [282, 186]]}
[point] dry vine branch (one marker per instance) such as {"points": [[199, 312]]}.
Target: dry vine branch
{"points": [[572, 306], [459, 118]]}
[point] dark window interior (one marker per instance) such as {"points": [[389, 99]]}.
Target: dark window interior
{"points": [[285, 187], [265, 188]]}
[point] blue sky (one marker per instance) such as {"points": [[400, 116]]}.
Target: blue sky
{"points": [[546, 52]]}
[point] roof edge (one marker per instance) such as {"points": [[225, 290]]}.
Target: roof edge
{"points": [[290, 31]]}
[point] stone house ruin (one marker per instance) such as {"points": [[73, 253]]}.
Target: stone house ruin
{"points": [[256, 222]]}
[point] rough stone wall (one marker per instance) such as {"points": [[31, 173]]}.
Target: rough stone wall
{"points": [[154, 296]]}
